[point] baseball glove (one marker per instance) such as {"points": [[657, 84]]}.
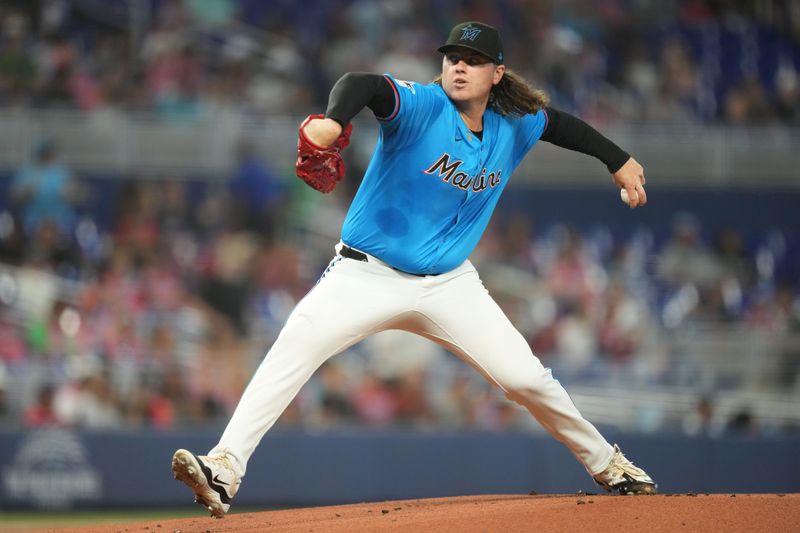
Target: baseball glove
{"points": [[321, 167]]}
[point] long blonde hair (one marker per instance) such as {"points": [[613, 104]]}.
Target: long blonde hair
{"points": [[514, 96]]}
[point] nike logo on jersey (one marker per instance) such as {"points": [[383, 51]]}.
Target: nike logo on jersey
{"points": [[450, 174]]}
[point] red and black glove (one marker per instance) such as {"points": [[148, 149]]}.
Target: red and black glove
{"points": [[321, 167]]}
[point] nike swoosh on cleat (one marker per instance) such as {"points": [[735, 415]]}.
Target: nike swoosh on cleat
{"points": [[218, 480], [223, 494]]}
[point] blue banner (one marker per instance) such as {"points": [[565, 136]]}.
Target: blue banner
{"points": [[63, 469]]}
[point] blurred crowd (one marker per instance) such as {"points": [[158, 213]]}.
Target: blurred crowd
{"points": [[157, 315], [662, 62], [138, 301]]}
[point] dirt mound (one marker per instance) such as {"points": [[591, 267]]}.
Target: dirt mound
{"points": [[771, 513]]}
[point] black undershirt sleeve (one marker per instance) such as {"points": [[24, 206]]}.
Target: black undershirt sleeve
{"points": [[568, 131], [356, 90]]}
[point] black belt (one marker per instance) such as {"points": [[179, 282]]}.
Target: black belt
{"points": [[350, 253]]}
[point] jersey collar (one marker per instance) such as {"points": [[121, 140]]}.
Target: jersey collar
{"points": [[462, 132]]}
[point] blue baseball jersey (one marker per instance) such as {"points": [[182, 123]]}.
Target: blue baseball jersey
{"points": [[432, 185]]}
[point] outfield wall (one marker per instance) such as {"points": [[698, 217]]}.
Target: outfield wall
{"points": [[67, 469]]}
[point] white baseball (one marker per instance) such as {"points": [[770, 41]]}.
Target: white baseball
{"points": [[623, 194]]}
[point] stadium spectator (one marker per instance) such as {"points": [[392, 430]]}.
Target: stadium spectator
{"points": [[88, 403], [748, 103], [573, 276], [411, 396], [44, 190], [685, 259], [375, 401], [742, 422], [257, 193], [17, 66], [42, 413], [787, 97], [12, 343], [700, 420], [7, 416], [336, 406], [455, 409], [621, 323]]}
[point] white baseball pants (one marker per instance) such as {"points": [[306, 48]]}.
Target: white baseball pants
{"points": [[355, 299]]}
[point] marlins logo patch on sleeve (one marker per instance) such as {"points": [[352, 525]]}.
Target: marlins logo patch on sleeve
{"points": [[407, 84]]}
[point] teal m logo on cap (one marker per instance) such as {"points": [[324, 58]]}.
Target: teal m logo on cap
{"points": [[469, 33]]}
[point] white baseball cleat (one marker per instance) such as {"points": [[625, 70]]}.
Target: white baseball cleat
{"points": [[212, 479], [623, 477]]}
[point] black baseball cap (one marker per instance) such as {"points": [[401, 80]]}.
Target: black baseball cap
{"points": [[476, 36]]}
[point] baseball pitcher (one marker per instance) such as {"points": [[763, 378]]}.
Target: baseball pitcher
{"points": [[446, 151]]}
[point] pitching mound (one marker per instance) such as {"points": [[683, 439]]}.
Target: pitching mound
{"points": [[771, 513]]}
